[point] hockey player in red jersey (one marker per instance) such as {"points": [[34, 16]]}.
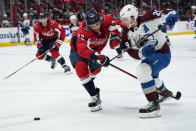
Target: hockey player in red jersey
{"points": [[49, 35], [153, 51], [86, 46]]}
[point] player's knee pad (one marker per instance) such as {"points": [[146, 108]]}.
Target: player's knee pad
{"points": [[55, 54], [94, 73], [82, 70], [144, 72], [39, 57]]}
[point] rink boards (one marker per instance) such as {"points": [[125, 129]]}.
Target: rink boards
{"points": [[13, 36]]}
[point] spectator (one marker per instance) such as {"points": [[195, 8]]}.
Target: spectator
{"points": [[5, 21]]}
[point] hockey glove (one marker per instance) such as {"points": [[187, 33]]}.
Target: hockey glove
{"points": [[148, 49], [172, 19], [58, 43], [39, 45], [102, 60]]}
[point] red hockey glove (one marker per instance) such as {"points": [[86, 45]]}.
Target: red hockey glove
{"points": [[39, 44], [100, 59], [58, 42]]}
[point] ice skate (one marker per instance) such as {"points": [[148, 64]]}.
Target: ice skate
{"points": [[67, 70], [53, 63], [164, 95], [95, 103], [151, 110]]}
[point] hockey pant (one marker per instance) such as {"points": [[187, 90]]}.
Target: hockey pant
{"points": [[85, 71], [148, 73]]}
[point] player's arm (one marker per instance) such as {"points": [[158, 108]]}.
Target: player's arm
{"points": [[60, 30], [170, 17], [37, 37], [61, 34], [115, 27], [84, 49]]}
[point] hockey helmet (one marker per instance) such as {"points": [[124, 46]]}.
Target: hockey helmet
{"points": [[25, 15], [91, 17], [43, 15], [73, 17], [128, 11], [193, 7]]}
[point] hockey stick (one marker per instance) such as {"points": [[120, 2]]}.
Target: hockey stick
{"points": [[123, 71], [177, 96], [26, 64], [141, 40]]}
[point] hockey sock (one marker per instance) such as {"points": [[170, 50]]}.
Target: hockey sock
{"points": [[48, 58], [61, 61], [149, 90], [90, 87]]}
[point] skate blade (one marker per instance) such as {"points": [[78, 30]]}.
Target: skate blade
{"points": [[53, 67], [119, 59], [164, 100], [96, 108], [153, 114], [68, 73]]}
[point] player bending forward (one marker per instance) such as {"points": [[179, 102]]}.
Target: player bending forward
{"points": [[49, 35], [86, 46], [154, 52]]}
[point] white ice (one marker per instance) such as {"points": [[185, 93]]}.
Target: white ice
{"points": [[61, 101]]}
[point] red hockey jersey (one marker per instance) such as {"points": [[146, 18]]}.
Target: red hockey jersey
{"points": [[89, 42], [53, 30]]}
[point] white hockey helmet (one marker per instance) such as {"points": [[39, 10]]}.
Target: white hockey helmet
{"points": [[25, 14], [128, 11], [5, 15], [193, 7], [73, 17]]}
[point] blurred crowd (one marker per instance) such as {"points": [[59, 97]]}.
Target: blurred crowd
{"points": [[61, 10]]}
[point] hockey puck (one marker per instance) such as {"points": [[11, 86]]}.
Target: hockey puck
{"points": [[36, 118]]}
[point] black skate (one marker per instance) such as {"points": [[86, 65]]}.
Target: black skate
{"points": [[151, 110], [53, 63], [67, 69], [95, 103], [164, 95]]}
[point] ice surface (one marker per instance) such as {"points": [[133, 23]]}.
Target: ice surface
{"points": [[61, 101]]}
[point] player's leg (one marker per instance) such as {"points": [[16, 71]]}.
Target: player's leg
{"points": [[82, 71], [163, 62], [163, 93], [41, 51], [56, 55], [144, 74]]}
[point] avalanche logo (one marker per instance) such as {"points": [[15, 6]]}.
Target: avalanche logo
{"points": [[129, 9]]}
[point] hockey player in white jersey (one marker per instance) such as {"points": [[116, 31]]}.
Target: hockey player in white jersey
{"points": [[153, 51], [193, 9], [25, 29]]}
